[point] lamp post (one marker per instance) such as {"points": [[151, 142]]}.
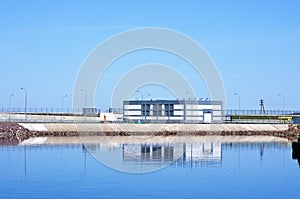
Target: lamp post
{"points": [[283, 100], [25, 110], [84, 92], [239, 105], [10, 96], [192, 107], [144, 111], [22, 88], [62, 101]]}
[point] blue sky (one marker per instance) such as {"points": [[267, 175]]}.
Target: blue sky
{"points": [[255, 45]]}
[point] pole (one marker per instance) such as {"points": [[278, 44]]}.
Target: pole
{"points": [[142, 110], [239, 105], [10, 96], [149, 95], [85, 110], [84, 92], [192, 107], [9, 106], [25, 110], [62, 100], [283, 100]]}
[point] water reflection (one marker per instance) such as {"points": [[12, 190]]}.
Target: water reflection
{"points": [[191, 154], [155, 153], [296, 151], [206, 167], [13, 141], [144, 155]]}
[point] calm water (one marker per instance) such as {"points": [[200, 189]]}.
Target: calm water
{"points": [[205, 170]]}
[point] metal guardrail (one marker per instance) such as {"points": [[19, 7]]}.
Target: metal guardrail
{"points": [[259, 116], [41, 110], [46, 115], [259, 112], [120, 110], [68, 115]]}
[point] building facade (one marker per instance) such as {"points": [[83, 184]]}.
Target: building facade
{"points": [[172, 111]]}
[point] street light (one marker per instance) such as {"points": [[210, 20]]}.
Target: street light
{"points": [[22, 88], [62, 100], [239, 105], [191, 100], [149, 95], [138, 91], [144, 111], [283, 100], [10, 96], [84, 97], [9, 106]]}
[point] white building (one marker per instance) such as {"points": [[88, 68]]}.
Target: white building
{"points": [[172, 111]]}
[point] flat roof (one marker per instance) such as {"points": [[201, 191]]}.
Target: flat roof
{"points": [[181, 101]]}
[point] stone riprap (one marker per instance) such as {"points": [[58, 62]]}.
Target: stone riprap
{"points": [[25, 130]]}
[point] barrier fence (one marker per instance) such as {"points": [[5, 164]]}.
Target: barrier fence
{"points": [[48, 115], [260, 112], [80, 115]]}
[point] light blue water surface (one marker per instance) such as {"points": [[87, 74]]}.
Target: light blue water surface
{"points": [[245, 170]]}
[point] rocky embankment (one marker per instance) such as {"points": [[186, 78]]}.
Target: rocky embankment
{"points": [[292, 133], [13, 133]]}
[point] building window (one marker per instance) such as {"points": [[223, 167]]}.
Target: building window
{"points": [[145, 110], [169, 153], [145, 152], [157, 109], [169, 109]]}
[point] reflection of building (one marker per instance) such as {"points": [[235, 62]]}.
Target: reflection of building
{"points": [[173, 111], [198, 154], [151, 152], [202, 151], [182, 154]]}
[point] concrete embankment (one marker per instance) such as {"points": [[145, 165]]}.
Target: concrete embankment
{"points": [[25, 130], [139, 128], [56, 129]]}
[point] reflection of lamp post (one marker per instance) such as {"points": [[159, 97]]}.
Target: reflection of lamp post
{"points": [[62, 100], [283, 100], [25, 162], [239, 105], [22, 88]]}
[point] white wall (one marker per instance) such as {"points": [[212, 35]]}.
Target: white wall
{"points": [[178, 106], [133, 107], [132, 113], [213, 107]]}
